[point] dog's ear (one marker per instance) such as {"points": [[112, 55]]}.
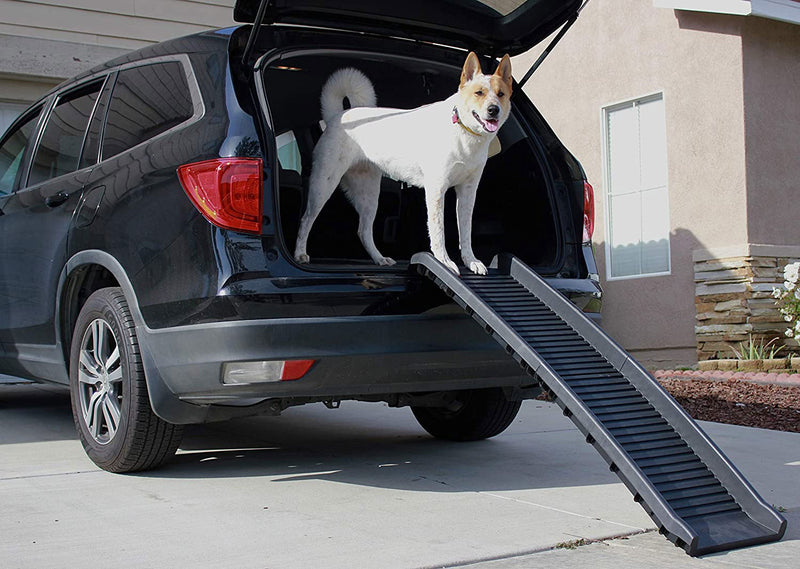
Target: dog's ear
{"points": [[504, 71], [471, 68]]}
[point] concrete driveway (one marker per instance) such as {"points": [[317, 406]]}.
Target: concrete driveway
{"points": [[361, 486]]}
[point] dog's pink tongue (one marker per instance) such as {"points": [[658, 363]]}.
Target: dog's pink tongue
{"points": [[491, 125]]}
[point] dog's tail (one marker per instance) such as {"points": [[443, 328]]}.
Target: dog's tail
{"points": [[344, 89]]}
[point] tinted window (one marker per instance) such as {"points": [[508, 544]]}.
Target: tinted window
{"points": [[12, 151], [91, 147], [59, 149], [146, 101]]}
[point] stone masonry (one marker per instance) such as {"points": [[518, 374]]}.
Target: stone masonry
{"points": [[734, 303]]}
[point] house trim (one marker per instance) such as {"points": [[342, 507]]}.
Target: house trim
{"points": [[782, 10]]}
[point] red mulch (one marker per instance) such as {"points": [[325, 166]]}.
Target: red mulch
{"points": [[736, 402], [762, 405]]}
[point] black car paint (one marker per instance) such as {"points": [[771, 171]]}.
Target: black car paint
{"points": [[468, 24], [127, 222]]}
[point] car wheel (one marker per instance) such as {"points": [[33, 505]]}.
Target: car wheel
{"points": [[475, 414], [110, 404]]}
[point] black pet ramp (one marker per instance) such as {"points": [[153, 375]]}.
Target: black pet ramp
{"points": [[689, 488]]}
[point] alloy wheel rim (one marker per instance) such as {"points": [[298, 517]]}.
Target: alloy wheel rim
{"points": [[100, 382]]}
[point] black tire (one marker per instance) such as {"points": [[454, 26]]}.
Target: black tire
{"points": [[481, 414], [110, 404]]}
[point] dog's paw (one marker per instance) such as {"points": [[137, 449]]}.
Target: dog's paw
{"points": [[302, 258], [477, 267], [452, 266], [386, 262], [444, 259]]}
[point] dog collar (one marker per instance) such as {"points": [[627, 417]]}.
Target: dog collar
{"points": [[457, 120]]}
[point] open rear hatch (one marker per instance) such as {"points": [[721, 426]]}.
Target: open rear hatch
{"points": [[519, 209], [490, 27]]}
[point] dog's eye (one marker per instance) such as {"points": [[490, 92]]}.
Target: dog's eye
{"points": [[501, 94], [479, 93]]}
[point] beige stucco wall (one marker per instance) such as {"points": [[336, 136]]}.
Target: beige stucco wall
{"points": [[624, 49], [771, 55]]}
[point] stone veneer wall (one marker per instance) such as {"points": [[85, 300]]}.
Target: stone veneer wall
{"points": [[733, 298]]}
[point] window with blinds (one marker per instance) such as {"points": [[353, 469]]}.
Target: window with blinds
{"points": [[637, 199]]}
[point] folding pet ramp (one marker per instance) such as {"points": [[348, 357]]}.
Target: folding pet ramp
{"points": [[683, 481]]}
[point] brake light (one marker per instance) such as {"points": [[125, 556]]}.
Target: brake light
{"points": [[588, 211], [295, 369], [227, 191]]}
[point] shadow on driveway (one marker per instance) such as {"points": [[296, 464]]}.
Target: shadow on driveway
{"points": [[372, 445], [363, 444]]}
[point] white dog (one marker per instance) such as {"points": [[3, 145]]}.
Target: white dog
{"points": [[435, 147]]}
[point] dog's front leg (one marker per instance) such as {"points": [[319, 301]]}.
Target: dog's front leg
{"points": [[465, 204], [434, 201]]}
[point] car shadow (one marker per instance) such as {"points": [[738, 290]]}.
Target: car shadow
{"points": [[371, 445], [34, 412], [364, 444]]}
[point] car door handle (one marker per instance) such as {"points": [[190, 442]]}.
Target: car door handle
{"points": [[56, 199]]}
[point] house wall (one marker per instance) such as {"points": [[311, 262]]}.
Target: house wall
{"points": [[129, 24], [46, 41], [620, 50], [771, 55], [734, 285]]}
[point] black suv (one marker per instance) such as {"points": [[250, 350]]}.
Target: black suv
{"points": [[149, 207]]}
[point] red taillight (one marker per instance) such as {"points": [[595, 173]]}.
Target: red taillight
{"points": [[227, 191], [295, 369], [588, 211]]}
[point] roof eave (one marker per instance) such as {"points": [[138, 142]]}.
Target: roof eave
{"points": [[781, 10]]}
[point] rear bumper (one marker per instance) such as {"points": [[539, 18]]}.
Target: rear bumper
{"points": [[356, 356]]}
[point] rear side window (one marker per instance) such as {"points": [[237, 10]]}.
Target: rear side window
{"points": [[146, 101], [289, 152], [12, 151], [60, 147]]}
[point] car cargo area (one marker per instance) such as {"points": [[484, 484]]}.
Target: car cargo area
{"points": [[513, 212]]}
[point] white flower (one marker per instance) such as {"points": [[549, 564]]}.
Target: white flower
{"points": [[787, 317], [777, 293], [788, 285], [789, 333], [791, 273]]}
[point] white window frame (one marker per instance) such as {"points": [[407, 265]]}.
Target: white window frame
{"points": [[604, 112]]}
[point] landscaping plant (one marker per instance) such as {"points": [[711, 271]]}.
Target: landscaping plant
{"points": [[788, 299]]}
